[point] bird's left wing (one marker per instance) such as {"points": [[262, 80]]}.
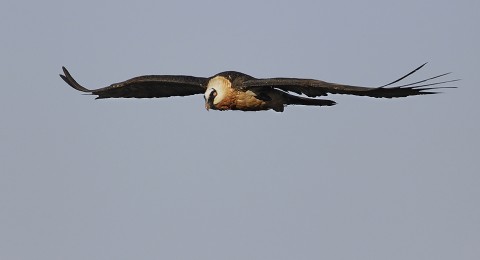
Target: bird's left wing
{"points": [[153, 86], [314, 88]]}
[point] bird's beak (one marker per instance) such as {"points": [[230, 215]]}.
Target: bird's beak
{"points": [[207, 106]]}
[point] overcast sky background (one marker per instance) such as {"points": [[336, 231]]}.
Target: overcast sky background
{"points": [[165, 179]]}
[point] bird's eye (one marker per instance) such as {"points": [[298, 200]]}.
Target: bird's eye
{"points": [[213, 94]]}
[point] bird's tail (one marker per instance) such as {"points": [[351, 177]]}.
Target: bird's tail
{"points": [[296, 100]]}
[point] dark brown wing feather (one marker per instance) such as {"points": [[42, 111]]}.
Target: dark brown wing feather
{"points": [[154, 86], [314, 88]]}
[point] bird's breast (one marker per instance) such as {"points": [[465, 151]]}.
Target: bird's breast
{"points": [[247, 100]]}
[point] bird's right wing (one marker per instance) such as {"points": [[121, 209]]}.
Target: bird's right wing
{"points": [[153, 86]]}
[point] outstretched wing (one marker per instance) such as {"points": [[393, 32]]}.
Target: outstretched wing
{"points": [[314, 88], [154, 86]]}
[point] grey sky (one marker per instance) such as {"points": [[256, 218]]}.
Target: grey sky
{"points": [[165, 179]]}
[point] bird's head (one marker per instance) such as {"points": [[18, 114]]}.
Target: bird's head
{"points": [[217, 89], [209, 96]]}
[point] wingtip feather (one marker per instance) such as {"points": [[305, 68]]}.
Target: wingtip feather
{"points": [[418, 87], [70, 81], [403, 77]]}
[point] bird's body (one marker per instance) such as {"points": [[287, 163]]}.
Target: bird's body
{"points": [[234, 98], [233, 90]]}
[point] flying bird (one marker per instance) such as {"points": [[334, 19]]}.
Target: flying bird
{"points": [[231, 90]]}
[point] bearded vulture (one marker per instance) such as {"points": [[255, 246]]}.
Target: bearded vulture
{"points": [[231, 90]]}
